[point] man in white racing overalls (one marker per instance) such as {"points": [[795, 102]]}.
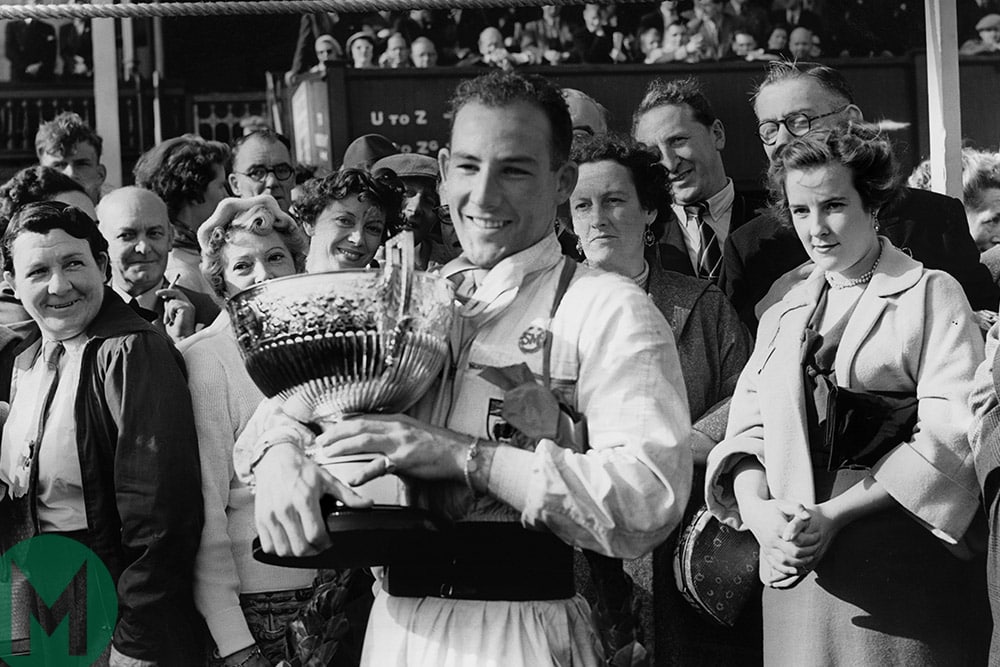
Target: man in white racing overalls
{"points": [[505, 595]]}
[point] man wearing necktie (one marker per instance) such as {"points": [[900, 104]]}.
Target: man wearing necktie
{"points": [[100, 424], [676, 118], [135, 223]]}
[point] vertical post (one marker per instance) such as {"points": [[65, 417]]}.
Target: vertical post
{"points": [[128, 47], [943, 97], [158, 58], [157, 117], [106, 95]]}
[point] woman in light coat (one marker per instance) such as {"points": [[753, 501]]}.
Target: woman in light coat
{"points": [[868, 563]]}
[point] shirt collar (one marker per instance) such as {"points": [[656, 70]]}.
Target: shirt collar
{"points": [[147, 299], [489, 292], [722, 201], [719, 204]]}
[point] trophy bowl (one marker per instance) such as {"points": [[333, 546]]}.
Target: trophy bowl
{"points": [[335, 344], [340, 343]]}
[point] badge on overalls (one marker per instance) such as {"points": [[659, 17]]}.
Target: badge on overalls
{"points": [[533, 339]]}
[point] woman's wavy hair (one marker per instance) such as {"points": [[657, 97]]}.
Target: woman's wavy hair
{"points": [[383, 188], [861, 147], [260, 221], [179, 170], [642, 162]]}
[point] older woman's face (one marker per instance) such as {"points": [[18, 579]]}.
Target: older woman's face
{"points": [[608, 217], [984, 220], [345, 235], [833, 224], [248, 259]]}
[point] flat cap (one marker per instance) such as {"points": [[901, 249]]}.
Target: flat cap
{"points": [[368, 149], [409, 165], [988, 22]]}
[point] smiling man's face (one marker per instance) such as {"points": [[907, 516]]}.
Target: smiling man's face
{"points": [[502, 186], [688, 149], [137, 228]]}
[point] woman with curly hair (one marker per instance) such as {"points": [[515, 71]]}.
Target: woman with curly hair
{"points": [[189, 175], [846, 453], [246, 604], [348, 215]]}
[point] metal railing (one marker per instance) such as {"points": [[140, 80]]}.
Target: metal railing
{"points": [[216, 116]]}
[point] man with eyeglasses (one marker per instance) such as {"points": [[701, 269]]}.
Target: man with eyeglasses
{"points": [[793, 100], [262, 164]]}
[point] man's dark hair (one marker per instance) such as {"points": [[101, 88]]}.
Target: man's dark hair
{"points": [[266, 135], [42, 218], [828, 78], [60, 136], [676, 92], [180, 169], [30, 185], [501, 89]]}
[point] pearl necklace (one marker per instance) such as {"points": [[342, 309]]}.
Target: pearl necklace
{"points": [[840, 283]]}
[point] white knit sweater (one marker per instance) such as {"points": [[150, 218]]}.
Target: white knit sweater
{"points": [[224, 399]]}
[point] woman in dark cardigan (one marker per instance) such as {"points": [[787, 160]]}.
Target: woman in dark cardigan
{"points": [[619, 193]]}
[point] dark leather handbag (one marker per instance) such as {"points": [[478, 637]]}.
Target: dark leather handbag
{"points": [[715, 568], [861, 427]]}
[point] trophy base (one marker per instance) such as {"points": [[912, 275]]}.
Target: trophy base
{"points": [[379, 535]]}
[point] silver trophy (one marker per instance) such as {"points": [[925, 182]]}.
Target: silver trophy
{"points": [[335, 344]]}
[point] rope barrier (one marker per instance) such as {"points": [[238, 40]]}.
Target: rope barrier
{"points": [[260, 7]]}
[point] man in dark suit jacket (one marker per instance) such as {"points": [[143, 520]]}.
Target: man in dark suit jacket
{"points": [[135, 223], [677, 118], [76, 49], [713, 30], [311, 28], [930, 226], [31, 50], [794, 15]]}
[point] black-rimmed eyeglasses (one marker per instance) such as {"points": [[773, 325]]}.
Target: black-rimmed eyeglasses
{"points": [[259, 173], [797, 124]]}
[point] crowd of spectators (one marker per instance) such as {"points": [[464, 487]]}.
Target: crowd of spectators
{"points": [[687, 31]]}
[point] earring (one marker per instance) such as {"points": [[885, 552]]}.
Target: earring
{"points": [[648, 237], [875, 223]]}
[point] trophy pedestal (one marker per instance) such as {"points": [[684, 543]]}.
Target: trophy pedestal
{"points": [[384, 534], [379, 535]]}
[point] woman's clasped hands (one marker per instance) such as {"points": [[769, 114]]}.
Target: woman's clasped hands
{"points": [[793, 537]]}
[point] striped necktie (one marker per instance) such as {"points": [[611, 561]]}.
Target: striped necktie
{"points": [[709, 254]]}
